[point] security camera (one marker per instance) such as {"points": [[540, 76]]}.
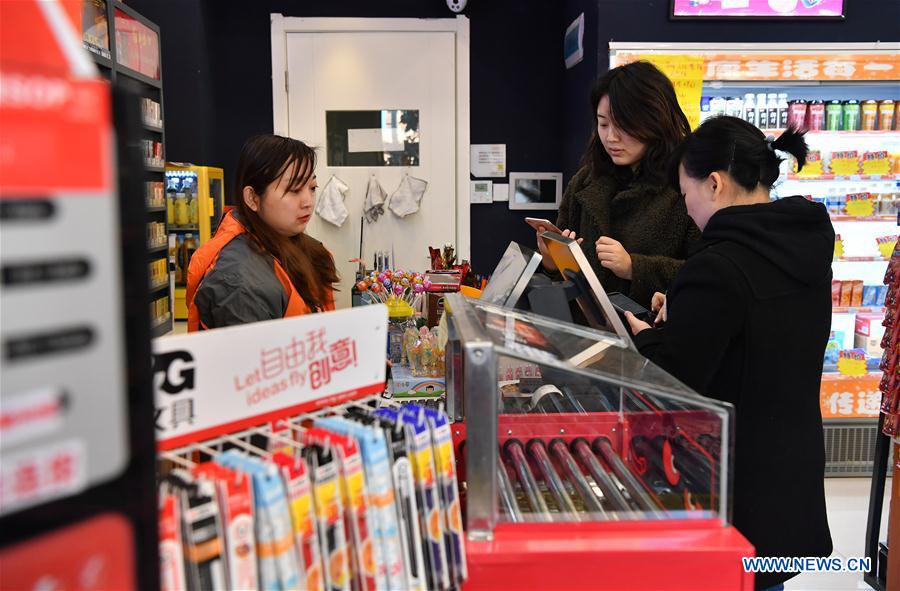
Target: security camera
{"points": [[456, 5]]}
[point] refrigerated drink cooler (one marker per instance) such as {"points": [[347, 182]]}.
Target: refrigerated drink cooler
{"points": [[583, 465]]}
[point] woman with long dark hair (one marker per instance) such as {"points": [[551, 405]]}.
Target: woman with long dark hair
{"points": [[747, 321], [633, 227], [261, 265]]}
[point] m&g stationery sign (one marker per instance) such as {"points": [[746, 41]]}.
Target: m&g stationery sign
{"points": [[220, 381]]}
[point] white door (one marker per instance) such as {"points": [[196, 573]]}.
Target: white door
{"points": [[372, 71]]}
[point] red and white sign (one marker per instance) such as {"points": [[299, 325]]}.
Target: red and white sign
{"points": [[224, 380], [848, 397], [94, 555], [42, 473]]}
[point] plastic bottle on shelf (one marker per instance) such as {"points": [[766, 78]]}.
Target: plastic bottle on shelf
{"points": [[193, 213], [762, 112], [734, 106], [182, 215], [783, 108], [750, 108], [704, 108], [170, 207], [772, 109], [717, 106]]}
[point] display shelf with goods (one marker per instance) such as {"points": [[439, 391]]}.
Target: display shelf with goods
{"points": [[195, 201], [847, 98], [125, 46]]}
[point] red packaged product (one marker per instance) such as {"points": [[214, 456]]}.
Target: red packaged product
{"points": [[856, 293], [835, 293], [235, 494], [846, 293]]}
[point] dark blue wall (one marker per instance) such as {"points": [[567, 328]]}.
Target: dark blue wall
{"points": [[218, 90]]}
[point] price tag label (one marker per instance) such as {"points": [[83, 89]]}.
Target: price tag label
{"points": [[838, 247], [860, 205], [852, 362], [886, 245], [876, 163], [845, 163]]}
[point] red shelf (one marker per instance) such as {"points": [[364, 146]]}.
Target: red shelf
{"points": [[860, 260], [850, 218], [853, 177]]}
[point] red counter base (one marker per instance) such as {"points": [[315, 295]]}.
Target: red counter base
{"points": [[670, 555]]}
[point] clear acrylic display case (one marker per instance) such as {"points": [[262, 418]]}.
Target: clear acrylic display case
{"points": [[568, 424]]}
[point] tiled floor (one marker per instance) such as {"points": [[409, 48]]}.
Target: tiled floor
{"points": [[847, 503]]}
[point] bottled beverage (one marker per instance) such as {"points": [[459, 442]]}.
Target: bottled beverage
{"points": [[717, 106], [886, 115], [182, 214], [782, 110], [850, 115], [750, 108], [734, 107], [704, 108], [869, 118], [834, 113], [796, 114], [772, 109], [170, 207], [193, 213], [762, 113], [815, 116]]}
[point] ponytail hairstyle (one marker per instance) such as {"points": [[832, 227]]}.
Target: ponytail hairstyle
{"points": [[263, 159], [643, 104], [729, 144]]}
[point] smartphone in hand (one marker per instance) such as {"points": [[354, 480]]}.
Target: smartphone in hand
{"points": [[547, 224]]}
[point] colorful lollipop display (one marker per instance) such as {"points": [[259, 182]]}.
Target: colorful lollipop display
{"points": [[390, 287]]}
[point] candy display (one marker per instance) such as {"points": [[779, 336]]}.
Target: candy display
{"points": [[392, 287], [424, 351]]}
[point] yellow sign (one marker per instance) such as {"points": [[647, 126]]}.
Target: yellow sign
{"points": [[838, 247], [860, 205], [886, 246], [686, 74], [852, 363]]}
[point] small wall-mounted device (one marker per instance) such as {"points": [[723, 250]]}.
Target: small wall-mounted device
{"points": [[457, 5]]}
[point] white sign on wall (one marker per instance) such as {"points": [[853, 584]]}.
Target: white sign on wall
{"points": [[221, 381]]}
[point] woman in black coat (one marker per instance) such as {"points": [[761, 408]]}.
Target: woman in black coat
{"points": [[747, 321], [635, 230]]}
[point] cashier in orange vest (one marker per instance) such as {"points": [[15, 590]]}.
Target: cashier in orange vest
{"points": [[261, 265]]}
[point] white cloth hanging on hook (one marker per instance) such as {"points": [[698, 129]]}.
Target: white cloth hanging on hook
{"points": [[331, 206], [375, 197], [408, 196]]}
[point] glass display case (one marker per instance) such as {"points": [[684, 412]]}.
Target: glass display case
{"points": [[567, 424]]}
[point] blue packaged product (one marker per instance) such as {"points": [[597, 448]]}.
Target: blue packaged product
{"points": [[442, 442], [431, 509], [373, 448], [278, 568]]}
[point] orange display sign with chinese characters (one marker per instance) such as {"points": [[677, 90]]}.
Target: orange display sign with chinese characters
{"points": [[847, 397], [793, 66]]}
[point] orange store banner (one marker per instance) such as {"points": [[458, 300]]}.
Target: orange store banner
{"points": [[846, 397], [791, 66]]}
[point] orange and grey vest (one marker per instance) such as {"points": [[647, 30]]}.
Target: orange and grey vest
{"points": [[204, 261]]}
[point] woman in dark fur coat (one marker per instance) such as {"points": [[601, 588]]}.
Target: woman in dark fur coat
{"points": [[633, 228]]}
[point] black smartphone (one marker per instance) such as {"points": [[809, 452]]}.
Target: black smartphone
{"points": [[622, 303]]}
